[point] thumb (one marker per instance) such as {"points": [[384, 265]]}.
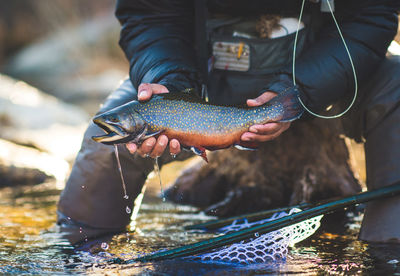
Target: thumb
{"points": [[158, 88], [146, 90], [262, 99]]}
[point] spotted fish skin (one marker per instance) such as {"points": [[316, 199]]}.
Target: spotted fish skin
{"points": [[197, 124], [179, 114]]}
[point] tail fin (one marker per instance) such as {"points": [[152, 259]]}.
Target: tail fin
{"points": [[292, 109]]}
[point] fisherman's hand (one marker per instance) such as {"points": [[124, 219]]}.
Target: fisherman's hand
{"points": [[153, 147], [266, 132]]}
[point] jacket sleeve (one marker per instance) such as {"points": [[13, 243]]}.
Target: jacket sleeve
{"points": [[323, 70], [157, 38]]}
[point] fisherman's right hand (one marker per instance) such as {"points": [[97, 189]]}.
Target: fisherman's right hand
{"points": [[153, 147]]}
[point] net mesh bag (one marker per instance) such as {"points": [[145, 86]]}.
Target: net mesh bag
{"points": [[264, 248]]}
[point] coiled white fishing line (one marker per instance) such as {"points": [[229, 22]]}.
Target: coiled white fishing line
{"points": [[269, 247], [348, 54]]}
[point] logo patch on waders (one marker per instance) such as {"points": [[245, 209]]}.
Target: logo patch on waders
{"points": [[232, 56]]}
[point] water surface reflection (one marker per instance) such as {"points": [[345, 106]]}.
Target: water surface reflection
{"points": [[30, 243]]}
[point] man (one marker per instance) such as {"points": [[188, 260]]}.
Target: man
{"points": [[159, 40]]}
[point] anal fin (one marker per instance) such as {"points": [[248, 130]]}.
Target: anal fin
{"points": [[246, 146], [200, 151]]}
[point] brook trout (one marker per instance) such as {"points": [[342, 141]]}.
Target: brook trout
{"points": [[196, 124]]}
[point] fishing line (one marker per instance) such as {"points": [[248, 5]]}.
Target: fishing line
{"points": [[348, 54]]}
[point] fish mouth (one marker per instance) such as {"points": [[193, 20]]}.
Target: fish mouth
{"points": [[114, 132]]}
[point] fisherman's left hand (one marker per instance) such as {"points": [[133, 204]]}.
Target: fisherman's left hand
{"points": [[266, 132]]}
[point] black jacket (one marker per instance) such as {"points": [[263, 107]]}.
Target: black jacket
{"points": [[158, 39]]}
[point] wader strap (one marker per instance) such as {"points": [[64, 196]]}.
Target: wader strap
{"points": [[201, 43]]}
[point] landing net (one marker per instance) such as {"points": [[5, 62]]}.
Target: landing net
{"points": [[264, 248]]}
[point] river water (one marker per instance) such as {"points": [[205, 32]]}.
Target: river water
{"points": [[30, 243]]}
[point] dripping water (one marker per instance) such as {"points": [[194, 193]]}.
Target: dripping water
{"points": [[127, 209], [120, 171], [157, 171]]}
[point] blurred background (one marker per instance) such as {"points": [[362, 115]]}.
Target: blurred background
{"points": [[58, 61], [66, 48]]}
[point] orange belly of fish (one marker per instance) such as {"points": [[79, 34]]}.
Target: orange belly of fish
{"points": [[212, 142]]}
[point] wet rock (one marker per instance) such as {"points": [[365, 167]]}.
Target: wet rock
{"points": [[15, 176], [30, 117], [21, 165], [309, 162]]}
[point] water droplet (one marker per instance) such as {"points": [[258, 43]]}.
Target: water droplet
{"points": [[104, 245], [256, 234], [126, 197], [128, 210]]}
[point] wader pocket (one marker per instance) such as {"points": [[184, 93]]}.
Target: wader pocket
{"points": [[241, 67]]}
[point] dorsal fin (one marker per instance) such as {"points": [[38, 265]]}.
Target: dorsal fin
{"points": [[192, 93]]}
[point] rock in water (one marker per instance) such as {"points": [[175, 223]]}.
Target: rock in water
{"points": [[30, 117], [309, 162], [21, 165], [15, 176]]}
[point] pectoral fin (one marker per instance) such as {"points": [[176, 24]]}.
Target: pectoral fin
{"points": [[151, 134]]}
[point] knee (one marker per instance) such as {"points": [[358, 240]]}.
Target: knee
{"points": [[384, 98]]}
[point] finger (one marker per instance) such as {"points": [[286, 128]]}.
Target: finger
{"points": [[132, 147], [159, 147], [262, 99], [144, 91], [174, 147], [147, 146], [266, 129], [158, 88], [270, 128], [252, 137]]}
